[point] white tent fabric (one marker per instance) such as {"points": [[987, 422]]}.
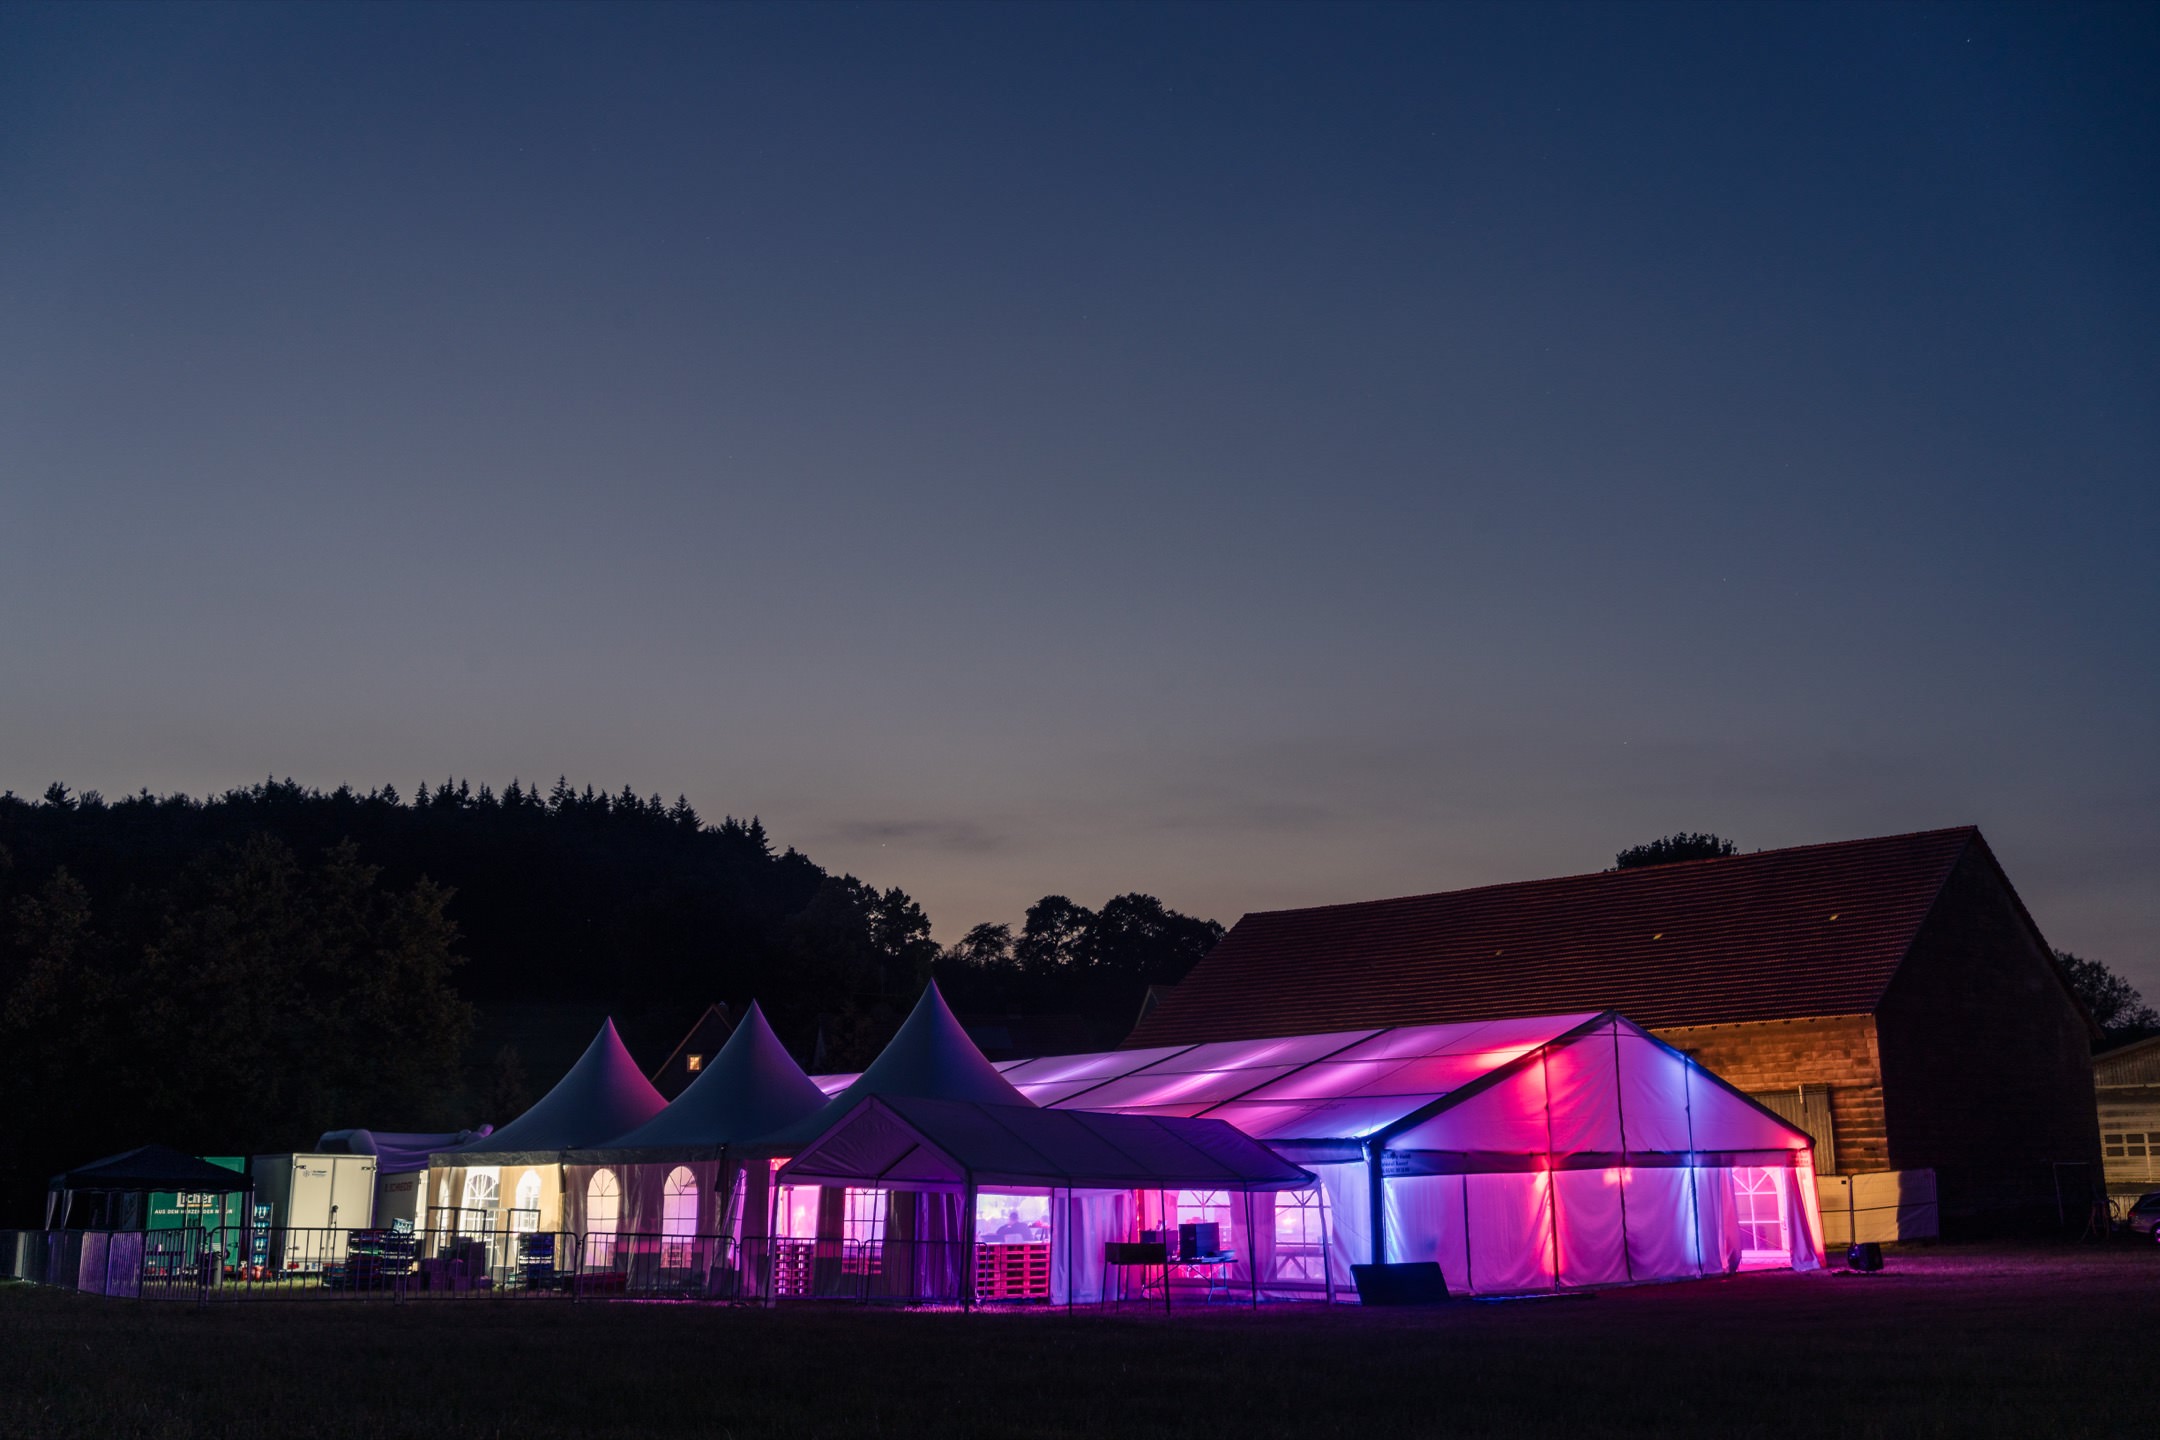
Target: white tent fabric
{"points": [[398, 1152], [750, 1088], [919, 1144], [603, 1095], [930, 1057]]}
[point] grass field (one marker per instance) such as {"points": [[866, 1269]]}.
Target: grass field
{"points": [[1950, 1341]]}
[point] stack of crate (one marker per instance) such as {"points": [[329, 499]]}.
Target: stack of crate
{"points": [[1012, 1272]]}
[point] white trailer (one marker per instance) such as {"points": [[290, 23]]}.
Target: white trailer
{"points": [[314, 1200]]}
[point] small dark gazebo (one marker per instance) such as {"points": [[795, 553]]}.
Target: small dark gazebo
{"points": [[108, 1184]]}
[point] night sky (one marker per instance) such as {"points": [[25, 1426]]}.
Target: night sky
{"points": [[1255, 456]]}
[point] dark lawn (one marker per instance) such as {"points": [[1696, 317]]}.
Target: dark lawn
{"points": [[1949, 1342]]}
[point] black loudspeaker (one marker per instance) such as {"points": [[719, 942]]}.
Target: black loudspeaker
{"points": [[1866, 1257], [1416, 1283]]}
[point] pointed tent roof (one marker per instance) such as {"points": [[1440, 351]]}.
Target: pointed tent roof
{"points": [[930, 1058], [750, 1088], [602, 1096]]}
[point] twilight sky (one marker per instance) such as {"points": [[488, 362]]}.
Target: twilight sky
{"points": [[1256, 456]]}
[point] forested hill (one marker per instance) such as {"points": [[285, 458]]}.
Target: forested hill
{"points": [[242, 972]]}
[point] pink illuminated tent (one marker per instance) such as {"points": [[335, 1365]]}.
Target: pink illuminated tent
{"points": [[929, 1177], [1526, 1154]]}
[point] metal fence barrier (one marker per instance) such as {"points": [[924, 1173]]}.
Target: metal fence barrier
{"points": [[221, 1264]]}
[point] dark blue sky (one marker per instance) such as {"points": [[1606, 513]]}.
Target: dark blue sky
{"points": [[1257, 456]]}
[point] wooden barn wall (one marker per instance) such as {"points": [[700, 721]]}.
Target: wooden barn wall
{"points": [[1837, 1051], [2137, 1064], [1986, 1060]]}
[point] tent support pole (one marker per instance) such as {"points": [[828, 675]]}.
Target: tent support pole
{"points": [[1376, 1202], [1252, 1252], [1327, 1245], [967, 1245], [1552, 1188], [1627, 1258], [1168, 1221], [769, 1267]]}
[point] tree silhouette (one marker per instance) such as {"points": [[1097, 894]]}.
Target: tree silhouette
{"points": [[1670, 849], [2114, 1003]]}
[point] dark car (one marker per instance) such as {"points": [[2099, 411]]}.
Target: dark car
{"points": [[2144, 1217]]}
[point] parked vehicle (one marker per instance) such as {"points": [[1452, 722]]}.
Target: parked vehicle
{"points": [[2144, 1217]]}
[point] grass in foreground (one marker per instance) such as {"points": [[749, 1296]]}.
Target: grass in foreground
{"points": [[1948, 1342]]}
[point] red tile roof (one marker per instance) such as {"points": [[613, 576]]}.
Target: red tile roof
{"points": [[1780, 934]]}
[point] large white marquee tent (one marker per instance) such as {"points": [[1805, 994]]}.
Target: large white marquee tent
{"points": [[1523, 1154]]}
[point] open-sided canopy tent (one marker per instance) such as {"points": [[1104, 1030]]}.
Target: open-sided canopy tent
{"points": [[932, 1122], [748, 1089], [1086, 1166], [961, 1145], [1521, 1154], [515, 1174], [117, 1186]]}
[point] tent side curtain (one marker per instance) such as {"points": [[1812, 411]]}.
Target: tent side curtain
{"points": [[947, 1144]]}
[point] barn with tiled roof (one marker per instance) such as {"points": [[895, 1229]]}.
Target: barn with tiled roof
{"points": [[1891, 995]]}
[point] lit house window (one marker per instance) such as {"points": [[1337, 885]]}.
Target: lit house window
{"points": [[696, 1063]]}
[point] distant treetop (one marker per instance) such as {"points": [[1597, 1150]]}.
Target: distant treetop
{"points": [[1678, 846]]}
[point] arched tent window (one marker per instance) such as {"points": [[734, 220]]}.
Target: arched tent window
{"points": [[678, 1216], [603, 1207], [525, 1212], [678, 1204]]}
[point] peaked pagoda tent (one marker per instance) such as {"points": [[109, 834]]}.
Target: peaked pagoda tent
{"points": [[936, 1179], [1537, 1153], [511, 1181], [691, 1176]]}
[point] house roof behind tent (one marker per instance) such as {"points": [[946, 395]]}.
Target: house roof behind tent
{"points": [[602, 1096], [749, 1089], [930, 1058], [700, 1043], [909, 1142], [1817, 930], [152, 1167]]}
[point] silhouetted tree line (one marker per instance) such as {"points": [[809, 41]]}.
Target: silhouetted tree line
{"points": [[1671, 849], [2114, 1003], [1070, 958], [242, 972]]}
